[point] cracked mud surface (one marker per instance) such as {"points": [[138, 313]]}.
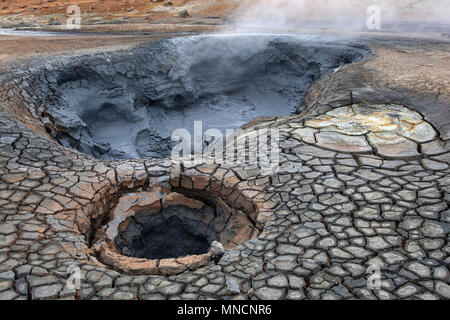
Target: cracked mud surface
{"points": [[342, 200]]}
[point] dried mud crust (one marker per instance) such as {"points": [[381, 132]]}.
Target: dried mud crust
{"points": [[336, 206]]}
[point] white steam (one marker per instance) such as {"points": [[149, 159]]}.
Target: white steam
{"points": [[345, 14]]}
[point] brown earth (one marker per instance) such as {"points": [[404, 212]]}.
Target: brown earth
{"points": [[51, 12], [14, 47], [110, 8], [426, 68]]}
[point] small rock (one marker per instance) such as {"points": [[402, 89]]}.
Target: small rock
{"points": [[217, 249], [183, 13]]}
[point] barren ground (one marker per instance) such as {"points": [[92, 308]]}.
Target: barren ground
{"points": [[363, 180]]}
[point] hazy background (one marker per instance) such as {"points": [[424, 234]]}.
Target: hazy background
{"points": [[347, 14]]}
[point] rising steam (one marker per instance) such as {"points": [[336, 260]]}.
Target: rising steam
{"points": [[345, 14]]}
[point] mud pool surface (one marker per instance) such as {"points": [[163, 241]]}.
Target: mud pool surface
{"points": [[127, 104]]}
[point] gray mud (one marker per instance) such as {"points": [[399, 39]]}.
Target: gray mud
{"points": [[127, 104]]}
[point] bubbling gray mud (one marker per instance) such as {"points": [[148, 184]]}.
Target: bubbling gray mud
{"points": [[127, 104]]}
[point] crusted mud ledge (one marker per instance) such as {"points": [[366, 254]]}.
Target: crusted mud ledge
{"points": [[346, 196]]}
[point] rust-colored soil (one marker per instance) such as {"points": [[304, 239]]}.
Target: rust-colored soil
{"points": [[13, 47], [131, 8], [426, 68], [39, 13]]}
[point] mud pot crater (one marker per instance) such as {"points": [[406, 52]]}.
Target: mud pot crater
{"points": [[159, 230], [126, 104]]}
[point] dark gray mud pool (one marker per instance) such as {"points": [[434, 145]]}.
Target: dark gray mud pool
{"points": [[126, 104]]}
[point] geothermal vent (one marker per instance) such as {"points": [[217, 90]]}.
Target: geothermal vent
{"points": [[126, 105]]}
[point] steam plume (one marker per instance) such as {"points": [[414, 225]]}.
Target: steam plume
{"points": [[345, 14]]}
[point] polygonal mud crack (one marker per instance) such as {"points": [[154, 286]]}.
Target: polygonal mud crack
{"points": [[391, 131]]}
